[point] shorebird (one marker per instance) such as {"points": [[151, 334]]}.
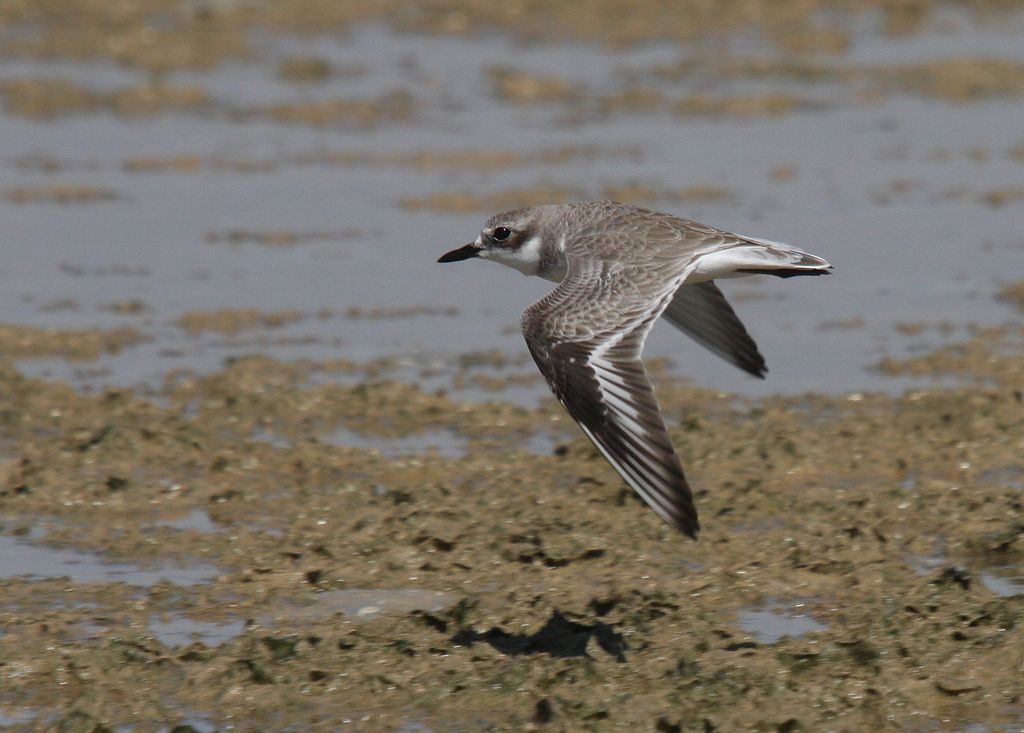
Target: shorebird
{"points": [[619, 268]]}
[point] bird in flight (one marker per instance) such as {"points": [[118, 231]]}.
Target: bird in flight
{"points": [[619, 268]]}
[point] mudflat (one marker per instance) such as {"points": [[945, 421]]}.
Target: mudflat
{"points": [[262, 470]]}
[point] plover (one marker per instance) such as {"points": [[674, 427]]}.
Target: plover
{"points": [[619, 268]]}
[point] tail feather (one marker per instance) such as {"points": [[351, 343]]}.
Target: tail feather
{"points": [[786, 271], [749, 256], [782, 258]]}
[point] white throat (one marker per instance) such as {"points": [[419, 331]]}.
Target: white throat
{"points": [[526, 259]]}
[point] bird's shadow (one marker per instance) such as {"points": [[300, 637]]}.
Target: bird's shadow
{"points": [[558, 637]]}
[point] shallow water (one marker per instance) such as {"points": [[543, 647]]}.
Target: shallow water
{"points": [[177, 630], [441, 442], [864, 192], [777, 620], [22, 559], [364, 604], [196, 520], [8, 719], [1005, 581]]}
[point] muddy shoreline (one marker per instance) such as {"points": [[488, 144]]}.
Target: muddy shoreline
{"points": [[503, 587]]}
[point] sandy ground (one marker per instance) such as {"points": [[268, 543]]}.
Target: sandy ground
{"points": [[322, 575]]}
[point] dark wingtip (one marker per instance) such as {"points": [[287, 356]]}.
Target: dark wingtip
{"points": [[685, 520], [753, 367]]}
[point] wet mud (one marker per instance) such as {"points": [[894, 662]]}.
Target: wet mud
{"points": [[510, 587]]}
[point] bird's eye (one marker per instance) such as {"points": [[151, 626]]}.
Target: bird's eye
{"points": [[500, 234]]}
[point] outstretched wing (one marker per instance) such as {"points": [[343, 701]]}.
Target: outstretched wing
{"points": [[702, 312], [586, 337]]}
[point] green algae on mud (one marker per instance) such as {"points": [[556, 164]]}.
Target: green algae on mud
{"points": [[159, 35], [424, 159], [230, 321], [59, 194], [1013, 293], [567, 600], [27, 342], [806, 44]]}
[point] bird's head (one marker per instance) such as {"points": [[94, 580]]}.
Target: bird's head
{"points": [[514, 238]]}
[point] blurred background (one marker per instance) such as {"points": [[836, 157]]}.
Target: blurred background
{"points": [[338, 528], [184, 182]]}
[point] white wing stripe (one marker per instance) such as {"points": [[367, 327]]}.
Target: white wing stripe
{"points": [[590, 356], [628, 411], [654, 494], [654, 464], [632, 471]]}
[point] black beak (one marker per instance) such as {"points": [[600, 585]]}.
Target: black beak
{"points": [[462, 253]]}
